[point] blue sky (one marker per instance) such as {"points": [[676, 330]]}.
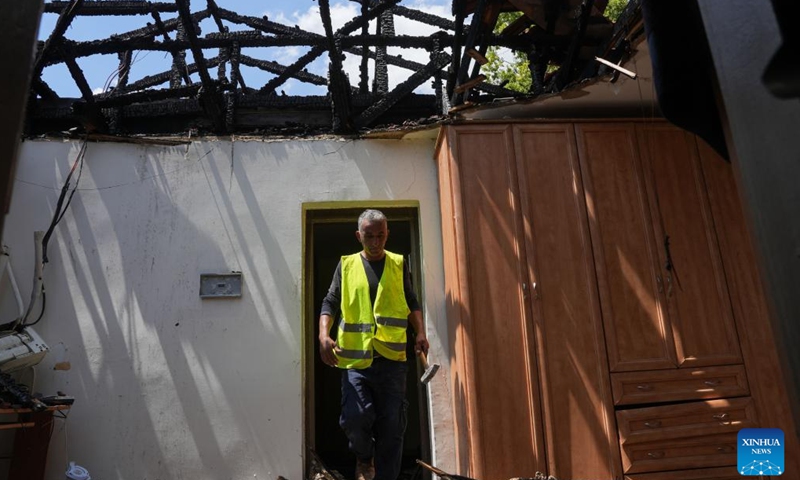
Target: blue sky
{"points": [[99, 69]]}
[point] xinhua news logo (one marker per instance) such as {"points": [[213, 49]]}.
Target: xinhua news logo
{"points": [[760, 451]]}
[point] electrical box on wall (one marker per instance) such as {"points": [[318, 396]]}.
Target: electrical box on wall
{"points": [[221, 285]]}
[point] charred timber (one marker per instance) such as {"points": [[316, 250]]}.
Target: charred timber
{"points": [[470, 42], [43, 89], [159, 78], [316, 51], [56, 36], [363, 83], [214, 9], [186, 91], [267, 26], [142, 35], [161, 27], [418, 16], [165, 27], [113, 7], [208, 96], [113, 46], [565, 73], [611, 49], [338, 87], [373, 112], [293, 69], [385, 29], [277, 68]]}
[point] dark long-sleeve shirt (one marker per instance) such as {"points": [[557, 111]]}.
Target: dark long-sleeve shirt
{"points": [[332, 303]]}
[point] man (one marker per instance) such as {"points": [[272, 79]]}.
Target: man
{"points": [[372, 291]]}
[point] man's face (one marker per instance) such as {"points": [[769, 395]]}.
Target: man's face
{"points": [[373, 236]]}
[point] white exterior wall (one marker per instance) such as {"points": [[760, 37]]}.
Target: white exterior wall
{"points": [[170, 386]]}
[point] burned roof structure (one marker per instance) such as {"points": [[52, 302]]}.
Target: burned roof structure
{"points": [[561, 37]]}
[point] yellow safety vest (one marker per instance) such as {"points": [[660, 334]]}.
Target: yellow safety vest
{"points": [[364, 327]]}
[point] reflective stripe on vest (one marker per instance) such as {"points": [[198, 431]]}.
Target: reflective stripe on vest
{"points": [[365, 327]]}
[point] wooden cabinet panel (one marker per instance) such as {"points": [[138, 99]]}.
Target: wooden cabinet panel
{"points": [[684, 453], [684, 436], [685, 420], [700, 309], [637, 331], [749, 301], [502, 387], [569, 332], [452, 259], [722, 473], [632, 388]]}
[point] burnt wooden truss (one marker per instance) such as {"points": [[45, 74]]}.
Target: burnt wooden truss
{"points": [[550, 32]]}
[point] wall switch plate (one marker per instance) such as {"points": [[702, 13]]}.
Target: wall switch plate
{"points": [[221, 285]]}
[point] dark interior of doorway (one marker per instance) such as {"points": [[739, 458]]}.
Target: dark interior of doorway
{"points": [[333, 235]]}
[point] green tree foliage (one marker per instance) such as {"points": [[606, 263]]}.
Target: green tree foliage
{"points": [[512, 66], [506, 65], [614, 9]]}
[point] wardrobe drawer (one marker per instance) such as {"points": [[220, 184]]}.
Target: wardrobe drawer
{"points": [[633, 388], [723, 473], [685, 420], [679, 454]]}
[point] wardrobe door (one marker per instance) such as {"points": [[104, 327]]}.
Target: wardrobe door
{"points": [[576, 395], [492, 329], [630, 285], [699, 304]]}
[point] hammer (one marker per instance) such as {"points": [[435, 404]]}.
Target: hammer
{"points": [[430, 370]]}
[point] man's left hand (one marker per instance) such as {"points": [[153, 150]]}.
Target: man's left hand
{"points": [[422, 344]]}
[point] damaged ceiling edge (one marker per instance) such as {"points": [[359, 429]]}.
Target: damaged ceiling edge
{"points": [[226, 104]]}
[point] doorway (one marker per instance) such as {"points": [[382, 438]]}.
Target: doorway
{"points": [[329, 231]]}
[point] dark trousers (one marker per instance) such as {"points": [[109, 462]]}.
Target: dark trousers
{"points": [[374, 414]]}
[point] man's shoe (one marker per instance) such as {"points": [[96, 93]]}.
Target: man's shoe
{"points": [[365, 470]]}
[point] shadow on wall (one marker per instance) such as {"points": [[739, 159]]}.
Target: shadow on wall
{"points": [[169, 386]]}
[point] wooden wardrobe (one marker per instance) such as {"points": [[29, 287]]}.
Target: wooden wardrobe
{"points": [[606, 316]]}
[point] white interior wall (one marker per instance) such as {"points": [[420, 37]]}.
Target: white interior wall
{"points": [[167, 385]]}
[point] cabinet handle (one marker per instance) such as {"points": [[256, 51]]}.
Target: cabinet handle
{"points": [[655, 454], [644, 387], [654, 424], [659, 284], [535, 292], [712, 383]]}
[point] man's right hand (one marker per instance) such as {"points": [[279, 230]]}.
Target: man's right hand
{"points": [[326, 348]]}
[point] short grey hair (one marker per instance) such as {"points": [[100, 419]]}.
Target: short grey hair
{"points": [[371, 215]]}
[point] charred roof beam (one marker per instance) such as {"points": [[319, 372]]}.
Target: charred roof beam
{"points": [[562, 78], [363, 83], [339, 86], [160, 27], [112, 7], [316, 51], [265, 25], [452, 78], [471, 41], [57, 36], [43, 89], [214, 40], [276, 69], [184, 91], [215, 14], [163, 77], [208, 97], [417, 15], [369, 115]]}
